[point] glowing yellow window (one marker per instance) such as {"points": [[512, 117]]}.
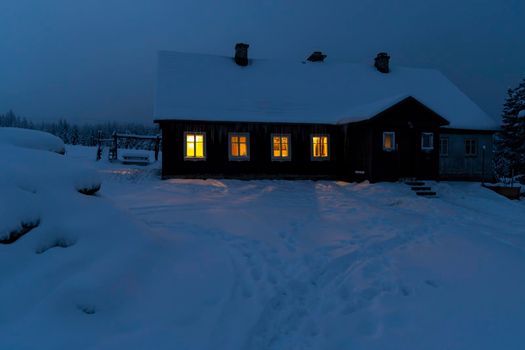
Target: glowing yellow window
{"points": [[280, 147], [320, 147], [389, 141], [195, 145], [239, 146]]}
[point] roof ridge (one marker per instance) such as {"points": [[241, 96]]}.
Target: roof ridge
{"points": [[328, 60]]}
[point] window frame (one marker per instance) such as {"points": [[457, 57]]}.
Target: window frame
{"points": [[319, 159], [441, 139], [239, 158], [393, 148], [281, 158], [185, 145], [474, 142], [431, 147]]}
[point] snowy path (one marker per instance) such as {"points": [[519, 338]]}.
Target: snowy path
{"points": [[316, 264]]}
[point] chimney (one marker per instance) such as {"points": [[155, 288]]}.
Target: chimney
{"points": [[316, 56], [241, 54], [382, 62]]}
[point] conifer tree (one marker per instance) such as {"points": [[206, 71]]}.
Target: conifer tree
{"points": [[510, 141]]}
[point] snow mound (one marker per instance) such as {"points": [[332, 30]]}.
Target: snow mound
{"points": [[33, 139], [34, 171], [67, 268], [30, 180], [18, 211]]}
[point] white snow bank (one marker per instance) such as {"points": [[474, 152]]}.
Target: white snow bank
{"points": [[78, 267], [35, 171], [223, 264], [31, 180], [17, 207], [33, 139]]}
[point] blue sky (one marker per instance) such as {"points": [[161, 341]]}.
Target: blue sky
{"points": [[95, 60]]}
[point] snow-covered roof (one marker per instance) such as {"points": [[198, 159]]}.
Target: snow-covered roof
{"points": [[208, 87], [369, 110]]}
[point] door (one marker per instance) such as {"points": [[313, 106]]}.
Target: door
{"points": [[407, 148]]}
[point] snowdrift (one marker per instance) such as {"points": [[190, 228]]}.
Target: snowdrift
{"points": [[263, 265], [33, 178], [33, 139], [72, 265]]}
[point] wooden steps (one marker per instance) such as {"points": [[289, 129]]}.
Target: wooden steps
{"points": [[420, 188], [426, 193]]}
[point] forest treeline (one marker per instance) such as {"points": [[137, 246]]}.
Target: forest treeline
{"points": [[76, 134]]}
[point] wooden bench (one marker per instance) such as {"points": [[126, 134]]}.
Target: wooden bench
{"points": [[140, 158]]}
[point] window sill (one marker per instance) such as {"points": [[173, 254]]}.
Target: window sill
{"points": [[243, 159], [195, 159]]}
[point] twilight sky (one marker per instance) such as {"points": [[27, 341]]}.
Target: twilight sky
{"points": [[94, 60]]}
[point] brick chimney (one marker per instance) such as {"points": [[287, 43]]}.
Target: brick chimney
{"points": [[241, 54], [316, 56], [382, 62]]}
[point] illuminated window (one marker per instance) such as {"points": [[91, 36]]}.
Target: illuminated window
{"points": [[239, 146], [471, 148], [389, 141], [281, 147], [194, 145], [427, 141], [320, 147], [443, 146]]}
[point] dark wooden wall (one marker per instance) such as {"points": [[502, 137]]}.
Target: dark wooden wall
{"points": [[358, 141], [260, 164], [408, 119], [356, 149]]}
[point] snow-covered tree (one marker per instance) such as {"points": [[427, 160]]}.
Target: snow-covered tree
{"points": [[10, 119], [74, 138], [63, 130], [510, 142]]}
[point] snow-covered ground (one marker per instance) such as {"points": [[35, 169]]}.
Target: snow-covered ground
{"points": [[216, 264]]}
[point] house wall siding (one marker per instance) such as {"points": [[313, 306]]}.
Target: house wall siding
{"points": [[408, 120], [458, 166], [260, 163], [356, 149]]}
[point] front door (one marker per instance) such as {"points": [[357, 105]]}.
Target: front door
{"points": [[407, 147]]}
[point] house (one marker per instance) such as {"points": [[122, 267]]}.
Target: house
{"points": [[254, 118]]}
